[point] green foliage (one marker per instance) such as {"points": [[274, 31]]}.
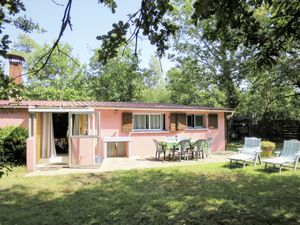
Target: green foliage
{"points": [[9, 9], [159, 94], [4, 83], [273, 94], [188, 85], [268, 145], [13, 144], [266, 28], [221, 66], [151, 19], [63, 78], [9, 88], [155, 75], [120, 79], [5, 167]]}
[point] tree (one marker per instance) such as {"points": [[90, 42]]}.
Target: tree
{"points": [[270, 95], [220, 65], [63, 78], [120, 79], [188, 85], [9, 11], [155, 90], [268, 28]]}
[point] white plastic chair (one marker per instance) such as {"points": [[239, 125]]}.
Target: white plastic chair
{"points": [[249, 153], [289, 155]]}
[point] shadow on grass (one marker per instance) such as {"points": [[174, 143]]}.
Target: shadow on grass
{"points": [[158, 197]]}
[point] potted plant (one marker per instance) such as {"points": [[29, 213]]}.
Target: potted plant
{"points": [[267, 148]]}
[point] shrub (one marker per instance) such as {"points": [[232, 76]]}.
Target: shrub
{"points": [[13, 145], [268, 145]]}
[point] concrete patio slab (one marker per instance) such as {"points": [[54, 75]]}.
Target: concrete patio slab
{"points": [[113, 164]]}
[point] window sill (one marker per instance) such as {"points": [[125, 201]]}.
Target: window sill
{"points": [[196, 129], [149, 131]]}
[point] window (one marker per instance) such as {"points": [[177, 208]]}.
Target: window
{"points": [[143, 122], [80, 124], [195, 121]]}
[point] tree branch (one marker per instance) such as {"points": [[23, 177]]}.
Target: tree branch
{"points": [[66, 21], [56, 3]]}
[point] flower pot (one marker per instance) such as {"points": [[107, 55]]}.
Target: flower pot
{"points": [[267, 152]]}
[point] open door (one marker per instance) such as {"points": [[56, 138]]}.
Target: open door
{"points": [[84, 136]]}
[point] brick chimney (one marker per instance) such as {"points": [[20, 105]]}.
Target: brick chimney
{"points": [[15, 67]]}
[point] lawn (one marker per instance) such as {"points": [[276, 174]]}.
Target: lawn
{"points": [[198, 194]]}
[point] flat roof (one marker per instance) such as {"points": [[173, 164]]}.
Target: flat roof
{"points": [[107, 105]]}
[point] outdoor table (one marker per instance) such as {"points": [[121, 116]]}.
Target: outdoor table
{"points": [[171, 144]]}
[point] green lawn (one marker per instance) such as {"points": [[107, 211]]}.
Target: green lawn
{"points": [[199, 194]]}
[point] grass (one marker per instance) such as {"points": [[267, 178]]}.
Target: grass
{"points": [[234, 145], [198, 194]]}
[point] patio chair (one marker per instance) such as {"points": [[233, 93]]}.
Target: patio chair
{"points": [[183, 149], [206, 148], [160, 148], [289, 155], [197, 148], [249, 153]]}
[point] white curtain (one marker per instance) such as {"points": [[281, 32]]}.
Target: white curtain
{"points": [[140, 121], [76, 124], [155, 122], [48, 143]]}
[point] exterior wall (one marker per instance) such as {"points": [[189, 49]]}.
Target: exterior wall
{"points": [[111, 126], [30, 154], [142, 142], [14, 117], [83, 151]]}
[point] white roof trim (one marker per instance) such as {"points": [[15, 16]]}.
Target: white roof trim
{"points": [[60, 110], [164, 109]]}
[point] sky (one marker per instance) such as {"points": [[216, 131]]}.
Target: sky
{"points": [[89, 19]]}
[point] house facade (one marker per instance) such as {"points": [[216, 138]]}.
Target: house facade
{"points": [[80, 133]]}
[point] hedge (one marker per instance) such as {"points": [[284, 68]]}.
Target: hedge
{"points": [[13, 145]]}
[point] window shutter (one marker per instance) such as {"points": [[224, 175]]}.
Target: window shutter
{"points": [[181, 121], [177, 122], [173, 122], [126, 122], [213, 121]]}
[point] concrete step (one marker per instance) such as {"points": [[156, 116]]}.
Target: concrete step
{"points": [[64, 159]]}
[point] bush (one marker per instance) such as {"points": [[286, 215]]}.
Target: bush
{"points": [[268, 145], [13, 145], [267, 148]]}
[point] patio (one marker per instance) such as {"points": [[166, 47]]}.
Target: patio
{"points": [[113, 164]]}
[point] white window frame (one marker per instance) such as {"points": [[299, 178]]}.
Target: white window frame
{"points": [[88, 114], [149, 122], [196, 127]]}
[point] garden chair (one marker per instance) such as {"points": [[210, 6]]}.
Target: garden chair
{"points": [[197, 148], [206, 149], [249, 153], [160, 148], [183, 149], [289, 155]]}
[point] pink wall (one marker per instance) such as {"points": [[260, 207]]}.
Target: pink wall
{"points": [[14, 117], [83, 151], [142, 143], [30, 154]]}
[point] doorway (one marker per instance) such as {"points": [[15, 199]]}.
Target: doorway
{"points": [[60, 128]]}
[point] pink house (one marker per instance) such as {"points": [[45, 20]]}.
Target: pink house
{"points": [[80, 133]]}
